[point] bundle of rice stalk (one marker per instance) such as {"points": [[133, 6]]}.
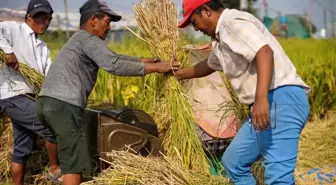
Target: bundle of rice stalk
{"points": [[34, 78], [232, 105], [164, 95], [6, 147], [130, 169]]}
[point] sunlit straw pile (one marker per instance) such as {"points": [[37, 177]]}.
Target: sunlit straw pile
{"points": [[317, 149], [36, 163], [132, 169], [6, 148]]}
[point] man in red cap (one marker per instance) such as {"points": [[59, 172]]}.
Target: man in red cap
{"points": [[264, 78]]}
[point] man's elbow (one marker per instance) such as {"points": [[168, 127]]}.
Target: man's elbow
{"points": [[266, 50]]}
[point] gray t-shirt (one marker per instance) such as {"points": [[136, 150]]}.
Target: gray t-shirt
{"points": [[73, 73]]}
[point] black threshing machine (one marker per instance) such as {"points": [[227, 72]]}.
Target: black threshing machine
{"points": [[110, 128]]}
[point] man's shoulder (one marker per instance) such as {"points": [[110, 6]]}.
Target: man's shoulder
{"points": [[15, 23], [80, 38], [75, 44], [88, 40], [233, 14], [81, 34], [10, 24]]}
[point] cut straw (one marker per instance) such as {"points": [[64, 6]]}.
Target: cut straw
{"points": [[127, 168], [164, 96], [34, 78]]}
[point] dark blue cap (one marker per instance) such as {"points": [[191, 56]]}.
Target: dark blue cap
{"points": [[36, 6], [98, 6]]}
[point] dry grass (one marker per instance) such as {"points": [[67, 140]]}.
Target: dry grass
{"points": [[6, 147], [36, 164], [317, 149], [136, 170]]}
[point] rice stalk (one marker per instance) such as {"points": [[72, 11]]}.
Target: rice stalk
{"points": [[34, 78], [318, 139], [6, 147], [35, 165], [258, 171], [317, 150], [232, 106], [315, 64], [164, 96], [127, 168]]}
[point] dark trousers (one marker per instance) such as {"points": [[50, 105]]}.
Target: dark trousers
{"points": [[67, 122], [26, 126]]}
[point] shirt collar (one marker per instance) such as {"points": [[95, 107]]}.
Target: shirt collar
{"points": [[219, 23], [30, 31], [27, 28]]}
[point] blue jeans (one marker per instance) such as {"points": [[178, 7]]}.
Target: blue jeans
{"points": [[278, 145]]}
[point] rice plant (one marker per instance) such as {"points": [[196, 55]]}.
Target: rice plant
{"points": [[34, 78], [315, 61]]}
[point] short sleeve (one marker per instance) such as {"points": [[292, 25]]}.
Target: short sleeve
{"points": [[246, 38], [214, 63]]}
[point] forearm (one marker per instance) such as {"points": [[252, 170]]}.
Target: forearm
{"points": [[197, 71], [265, 64], [126, 68]]}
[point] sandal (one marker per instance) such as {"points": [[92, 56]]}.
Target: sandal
{"points": [[54, 178]]}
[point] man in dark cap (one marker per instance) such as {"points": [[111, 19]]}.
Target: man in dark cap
{"points": [[71, 78], [20, 42]]}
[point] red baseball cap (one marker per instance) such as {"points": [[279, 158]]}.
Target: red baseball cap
{"points": [[189, 6]]}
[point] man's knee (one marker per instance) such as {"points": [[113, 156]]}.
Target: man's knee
{"points": [[231, 163], [237, 171], [21, 158], [227, 163], [23, 146]]}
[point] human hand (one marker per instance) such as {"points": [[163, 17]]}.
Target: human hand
{"points": [[261, 114], [167, 66], [11, 61]]}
